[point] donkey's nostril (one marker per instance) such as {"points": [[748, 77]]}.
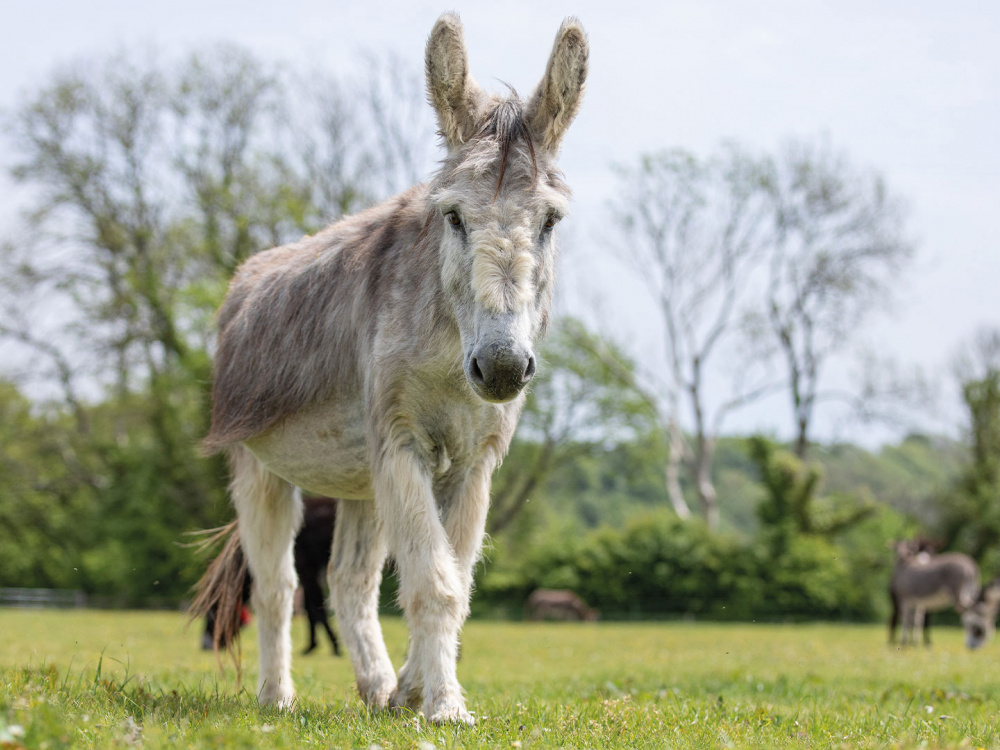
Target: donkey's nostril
{"points": [[529, 371], [477, 374]]}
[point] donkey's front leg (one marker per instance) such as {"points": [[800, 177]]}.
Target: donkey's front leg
{"points": [[465, 521], [432, 591]]}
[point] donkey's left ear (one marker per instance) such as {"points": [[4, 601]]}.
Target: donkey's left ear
{"points": [[557, 99]]}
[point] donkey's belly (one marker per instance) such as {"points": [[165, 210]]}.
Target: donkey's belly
{"points": [[934, 601], [322, 450]]}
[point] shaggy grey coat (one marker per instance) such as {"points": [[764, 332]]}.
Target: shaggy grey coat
{"points": [[384, 361]]}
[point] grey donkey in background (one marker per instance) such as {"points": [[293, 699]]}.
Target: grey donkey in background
{"points": [[383, 361], [924, 582], [980, 619]]}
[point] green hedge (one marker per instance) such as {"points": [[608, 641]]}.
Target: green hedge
{"points": [[658, 566]]}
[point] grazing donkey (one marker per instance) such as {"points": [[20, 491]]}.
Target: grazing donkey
{"points": [[924, 582], [312, 555], [980, 619], [383, 361], [557, 604]]}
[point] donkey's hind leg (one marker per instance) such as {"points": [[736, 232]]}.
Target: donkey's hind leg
{"points": [[355, 574], [270, 513]]}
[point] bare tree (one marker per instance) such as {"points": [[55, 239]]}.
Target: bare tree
{"points": [[360, 141], [837, 246], [692, 231]]}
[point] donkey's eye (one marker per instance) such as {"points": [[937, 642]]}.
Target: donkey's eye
{"points": [[453, 218], [550, 221]]}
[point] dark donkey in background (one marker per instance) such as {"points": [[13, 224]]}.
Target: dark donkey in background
{"points": [[312, 555]]}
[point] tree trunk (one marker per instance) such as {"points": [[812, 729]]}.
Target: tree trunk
{"points": [[702, 471], [802, 438], [674, 460]]}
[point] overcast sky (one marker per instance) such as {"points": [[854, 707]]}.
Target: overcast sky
{"points": [[909, 88]]}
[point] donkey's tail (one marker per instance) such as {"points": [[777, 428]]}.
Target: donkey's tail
{"points": [[221, 589]]}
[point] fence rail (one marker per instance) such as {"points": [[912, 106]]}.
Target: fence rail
{"points": [[42, 598]]}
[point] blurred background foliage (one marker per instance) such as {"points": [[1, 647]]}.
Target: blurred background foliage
{"points": [[150, 181]]}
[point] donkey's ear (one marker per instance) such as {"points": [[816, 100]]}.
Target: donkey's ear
{"points": [[557, 98], [454, 93]]}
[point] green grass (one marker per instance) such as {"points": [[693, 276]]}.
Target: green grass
{"points": [[106, 679]]}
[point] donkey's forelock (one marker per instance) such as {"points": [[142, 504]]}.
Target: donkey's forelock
{"points": [[507, 126], [502, 152], [503, 142]]}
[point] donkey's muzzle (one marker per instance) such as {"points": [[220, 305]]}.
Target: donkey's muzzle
{"points": [[498, 373]]}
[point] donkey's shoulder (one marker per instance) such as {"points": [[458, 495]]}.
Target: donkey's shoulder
{"points": [[347, 248], [292, 324]]}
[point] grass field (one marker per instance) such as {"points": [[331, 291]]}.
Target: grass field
{"points": [[105, 679]]}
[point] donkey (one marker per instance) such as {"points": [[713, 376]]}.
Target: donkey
{"points": [[312, 549], [383, 361], [558, 604], [922, 582], [312, 555], [980, 619]]}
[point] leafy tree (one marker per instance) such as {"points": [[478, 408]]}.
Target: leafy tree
{"points": [[42, 496], [972, 520], [150, 183], [791, 508]]}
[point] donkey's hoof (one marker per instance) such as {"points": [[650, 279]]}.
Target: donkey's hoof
{"points": [[282, 698], [452, 715], [407, 693], [377, 693], [405, 699]]}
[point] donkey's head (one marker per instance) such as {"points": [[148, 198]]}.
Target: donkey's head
{"points": [[497, 199], [980, 619]]}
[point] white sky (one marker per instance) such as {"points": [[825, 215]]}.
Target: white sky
{"points": [[910, 88]]}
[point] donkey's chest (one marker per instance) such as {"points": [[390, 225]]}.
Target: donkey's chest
{"points": [[326, 450]]}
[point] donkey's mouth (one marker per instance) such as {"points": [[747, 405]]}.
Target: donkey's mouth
{"points": [[500, 375]]}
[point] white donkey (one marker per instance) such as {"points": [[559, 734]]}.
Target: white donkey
{"points": [[383, 361]]}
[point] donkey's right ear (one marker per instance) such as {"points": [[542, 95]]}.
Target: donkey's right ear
{"points": [[454, 94]]}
